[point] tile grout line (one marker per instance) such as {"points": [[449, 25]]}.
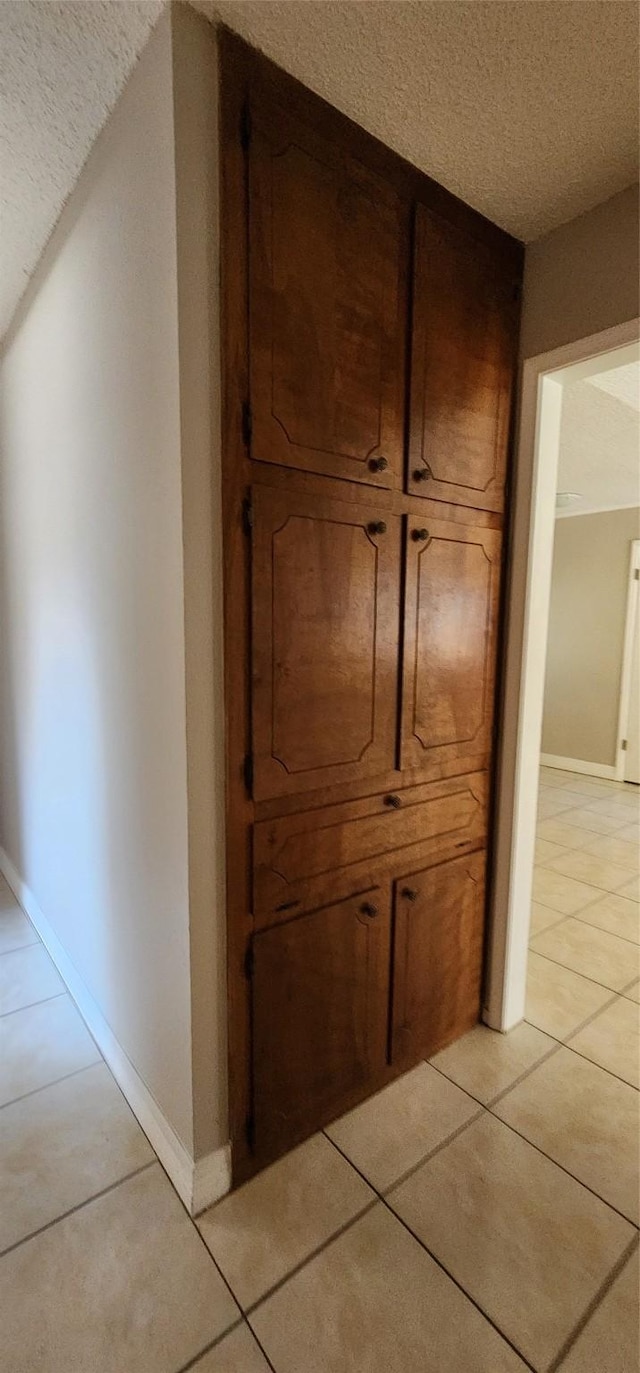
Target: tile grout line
{"points": [[191, 1363], [30, 1004], [19, 947], [603, 1290], [614, 990], [79, 1207], [65, 1076], [313, 1253]]}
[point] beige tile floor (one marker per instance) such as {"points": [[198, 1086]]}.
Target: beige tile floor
{"points": [[478, 1215]]}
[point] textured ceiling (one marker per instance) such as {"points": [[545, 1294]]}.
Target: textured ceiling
{"points": [[527, 109], [600, 440]]}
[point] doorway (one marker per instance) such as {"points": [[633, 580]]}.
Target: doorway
{"points": [[543, 382]]}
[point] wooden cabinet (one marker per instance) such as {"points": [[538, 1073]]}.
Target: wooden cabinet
{"points": [[326, 579], [438, 940], [320, 998], [369, 339], [327, 260], [464, 326], [450, 628]]}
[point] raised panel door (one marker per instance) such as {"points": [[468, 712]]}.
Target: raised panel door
{"points": [[451, 621], [326, 579], [463, 343], [326, 319]]}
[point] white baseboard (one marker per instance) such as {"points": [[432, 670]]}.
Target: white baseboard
{"points": [[550, 760], [198, 1183]]}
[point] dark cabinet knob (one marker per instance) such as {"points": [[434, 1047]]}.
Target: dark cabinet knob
{"points": [[409, 893], [418, 535], [378, 464], [422, 474], [367, 909], [392, 801], [377, 527]]}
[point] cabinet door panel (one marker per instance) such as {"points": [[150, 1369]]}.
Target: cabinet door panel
{"points": [[451, 620], [320, 990], [326, 307], [438, 948], [464, 328], [325, 631]]}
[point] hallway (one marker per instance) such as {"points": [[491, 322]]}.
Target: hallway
{"points": [[478, 1215]]}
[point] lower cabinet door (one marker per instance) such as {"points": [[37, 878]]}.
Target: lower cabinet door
{"points": [[438, 948], [320, 1016]]}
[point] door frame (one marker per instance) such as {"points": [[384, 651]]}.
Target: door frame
{"points": [[525, 641], [633, 607]]}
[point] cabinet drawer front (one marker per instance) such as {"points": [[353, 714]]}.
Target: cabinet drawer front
{"points": [[451, 623], [326, 579], [438, 951], [327, 254], [464, 331], [320, 1007], [304, 859]]}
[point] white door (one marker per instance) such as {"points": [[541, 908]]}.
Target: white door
{"points": [[630, 703]]}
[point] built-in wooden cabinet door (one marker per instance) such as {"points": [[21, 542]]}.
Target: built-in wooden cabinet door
{"points": [[327, 254], [463, 337], [451, 622], [320, 1010], [437, 959], [325, 604]]}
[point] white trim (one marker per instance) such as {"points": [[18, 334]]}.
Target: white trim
{"points": [[633, 606], [598, 510], [528, 597], [551, 760], [198, 1183]]}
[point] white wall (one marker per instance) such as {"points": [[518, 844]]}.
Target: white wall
{"points": [[93, 797]]}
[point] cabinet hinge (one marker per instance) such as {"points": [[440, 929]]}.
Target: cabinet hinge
{"points": [[247, 515], [250, 1131], [624, 745], [245, 126], [249, 961], [247, 424], [247, 772]]}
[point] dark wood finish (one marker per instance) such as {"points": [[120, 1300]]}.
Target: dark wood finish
{"points": [[327, 274], [451, 619], [314, 856], [438, 942], [320, 1016], [465, 312], [326, 580]]}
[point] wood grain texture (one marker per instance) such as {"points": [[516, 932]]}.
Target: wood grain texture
{"points": [[438, 945], [320, 1016], [326, 586], [465, 314]]}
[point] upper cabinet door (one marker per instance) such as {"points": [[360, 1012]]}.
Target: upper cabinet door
{"points": [[451, 621], [464, 329], [324, 642], [326, 309]]}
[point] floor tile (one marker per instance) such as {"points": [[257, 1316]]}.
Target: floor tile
{"points": [[542, 918], [375, 1302], [26, 976], [559, 832], [558, 1000], [631, 889], [619, 808], [259, 1233], [545, 850], [562, 893], [582, 865], [523, 1232], [586, 1120], [614, 913], [615, 850], [236, 1353], [633, 993], [556, 802], [612, 1040], [630, 834], [609, 1341], [582, 818], [40, 1045], [61, 1146], [553, 777], [485, 1062], [590, 951], [16, 931], [392, 1131], [594, 787], [123, 1283]]}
